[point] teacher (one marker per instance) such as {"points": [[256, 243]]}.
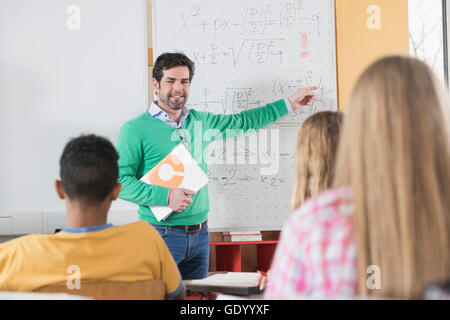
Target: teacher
{"points": [[145, 140]]}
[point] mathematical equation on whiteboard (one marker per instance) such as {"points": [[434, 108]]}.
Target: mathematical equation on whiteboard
{"points": [[272, 48], [234, 176], [236, 100], [254, 23]]}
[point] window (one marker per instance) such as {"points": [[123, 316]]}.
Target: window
{"points": [[426, 34]]}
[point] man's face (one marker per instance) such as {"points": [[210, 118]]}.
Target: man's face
{"points": [[173, 90]]}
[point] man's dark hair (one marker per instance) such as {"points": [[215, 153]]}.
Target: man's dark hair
{"points": [[88, 169], [168, 61]]}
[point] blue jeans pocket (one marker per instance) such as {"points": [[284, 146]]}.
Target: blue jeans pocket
{"points": [[162, 230]]}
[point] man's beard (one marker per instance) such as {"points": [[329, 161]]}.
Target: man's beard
{"points": [[173, 105]]}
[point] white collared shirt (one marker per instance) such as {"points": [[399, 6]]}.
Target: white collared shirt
{"points": [[158, 113]]}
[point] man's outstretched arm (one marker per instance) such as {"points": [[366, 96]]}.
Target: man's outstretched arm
{"points": [[258, 118]]}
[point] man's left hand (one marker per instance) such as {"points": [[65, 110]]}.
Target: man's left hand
{"points": [[303, 97]]}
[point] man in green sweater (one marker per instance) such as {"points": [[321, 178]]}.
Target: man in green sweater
{"points": [[145, 140]]}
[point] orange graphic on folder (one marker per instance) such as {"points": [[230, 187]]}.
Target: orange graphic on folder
{"points": [[177, 170], [169, 173]]}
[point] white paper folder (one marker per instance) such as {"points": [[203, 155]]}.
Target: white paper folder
{"points": [[177, 170]]}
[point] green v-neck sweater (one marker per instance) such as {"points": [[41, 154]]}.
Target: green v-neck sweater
{"points": [[144, 141]]}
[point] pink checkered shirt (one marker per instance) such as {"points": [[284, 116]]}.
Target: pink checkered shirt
{"points": [[316, 256]]}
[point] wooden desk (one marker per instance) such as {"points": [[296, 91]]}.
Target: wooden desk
{"points": [[211, 289]]}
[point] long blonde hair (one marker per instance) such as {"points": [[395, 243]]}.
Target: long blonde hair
{"points": [[395, 153], [315, 156]]}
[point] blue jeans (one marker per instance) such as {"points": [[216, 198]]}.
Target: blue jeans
{"points": [[189, 250]]}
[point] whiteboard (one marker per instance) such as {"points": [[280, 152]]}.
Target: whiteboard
{"points": [[247, 54], [58, 81]]}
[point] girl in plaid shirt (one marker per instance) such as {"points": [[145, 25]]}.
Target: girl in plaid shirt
{"points": [[395, 155]]}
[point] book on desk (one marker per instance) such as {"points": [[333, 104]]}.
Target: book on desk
{"points": [[238, 283]]}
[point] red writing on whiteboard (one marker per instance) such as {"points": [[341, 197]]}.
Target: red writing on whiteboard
{"points": [[305, 53]]}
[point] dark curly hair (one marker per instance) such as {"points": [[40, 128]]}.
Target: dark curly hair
{"points": [[88, 169], [169, 60]]}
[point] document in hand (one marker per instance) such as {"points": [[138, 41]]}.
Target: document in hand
{"points": [[177, 170]]}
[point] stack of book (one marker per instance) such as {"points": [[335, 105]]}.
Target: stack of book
{"points": [[242, 236]]}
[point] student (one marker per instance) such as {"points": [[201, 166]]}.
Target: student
{"points": [[384, 230], [100, 251], [317, 143]]}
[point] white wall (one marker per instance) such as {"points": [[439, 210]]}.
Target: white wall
{"points": [[64, 71]]}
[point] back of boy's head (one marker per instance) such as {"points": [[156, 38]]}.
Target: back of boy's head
{"points": [[88, 169]]}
